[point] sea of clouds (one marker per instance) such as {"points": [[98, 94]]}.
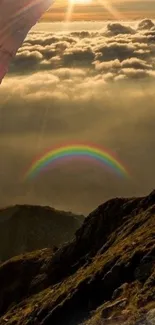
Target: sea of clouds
{"points": [[79, 86]]}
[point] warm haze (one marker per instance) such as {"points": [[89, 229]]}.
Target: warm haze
{"points": [[77, 153], [102, 9], [83, 81]]}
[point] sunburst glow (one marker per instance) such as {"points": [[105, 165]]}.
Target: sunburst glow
{"points": [[103, 3], [71, 7], [81, 2]]}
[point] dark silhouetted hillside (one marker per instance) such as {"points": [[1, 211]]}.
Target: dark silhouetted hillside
{"points": [[104, 276], [25, 228]]}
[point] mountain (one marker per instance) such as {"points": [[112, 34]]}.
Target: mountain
{"points": [[104, 276], [24, 228]]}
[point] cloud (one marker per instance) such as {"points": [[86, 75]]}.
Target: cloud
{"points": [[79, 87], [146, 24], [81, 49], [117, 28]]}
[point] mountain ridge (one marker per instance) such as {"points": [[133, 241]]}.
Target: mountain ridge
{"points": [[24, 228], [105, 275]]}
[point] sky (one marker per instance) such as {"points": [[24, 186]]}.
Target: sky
{"points": [[80, 82], [102, 9], [94, 83]]}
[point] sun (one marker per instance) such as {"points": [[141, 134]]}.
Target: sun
{"points": [[81, 2], [72, 3], [106, 4]]}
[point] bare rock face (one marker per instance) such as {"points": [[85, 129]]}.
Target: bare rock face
{"points": [[105, 275], [24, 228]]}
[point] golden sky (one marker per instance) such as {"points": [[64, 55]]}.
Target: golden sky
{"points": [[103, 9]]}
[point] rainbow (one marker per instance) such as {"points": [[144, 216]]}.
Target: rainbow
{"points": [[76, 151]]}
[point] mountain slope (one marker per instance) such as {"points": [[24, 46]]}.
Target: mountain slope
{"points": [[106, 275], [24, 228]]}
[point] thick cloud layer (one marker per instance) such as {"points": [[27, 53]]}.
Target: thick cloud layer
{"points": [[79, 87]]}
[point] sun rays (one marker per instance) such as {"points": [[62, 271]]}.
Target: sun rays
{"points": [[69, 11], [105, 5]]}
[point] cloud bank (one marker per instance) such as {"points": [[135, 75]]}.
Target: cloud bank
{"points": [[87, 86]]}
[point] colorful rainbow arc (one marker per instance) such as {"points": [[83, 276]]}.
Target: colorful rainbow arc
{"points": [[76, 151]]}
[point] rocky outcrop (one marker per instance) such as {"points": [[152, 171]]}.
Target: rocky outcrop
{"points": [[105, 275]]}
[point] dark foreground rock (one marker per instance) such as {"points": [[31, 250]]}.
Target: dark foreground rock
{"points": [[24, 228], [105, 276]]}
